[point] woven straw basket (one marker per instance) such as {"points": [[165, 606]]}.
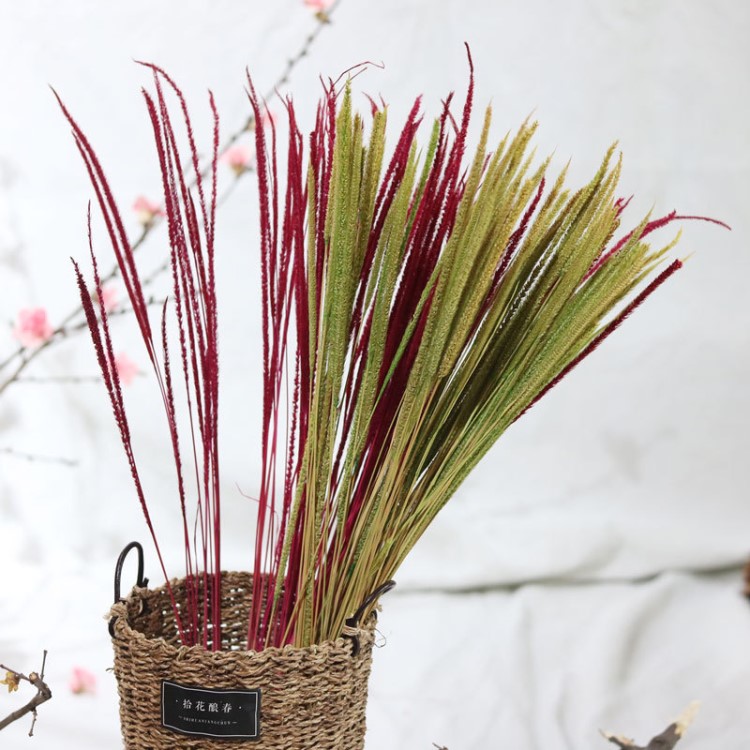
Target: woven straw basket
{"points": [[311, 697]]}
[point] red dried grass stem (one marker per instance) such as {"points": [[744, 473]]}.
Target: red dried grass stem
{"points": [[191, 236], [106, 358]]}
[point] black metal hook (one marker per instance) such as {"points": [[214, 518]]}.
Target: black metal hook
{"points": [[140, 583], [353, 621]]}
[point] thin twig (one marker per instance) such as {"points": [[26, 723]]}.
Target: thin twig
{"points": [[34, 458], [58, 379], [43, 694], [25, 355]]}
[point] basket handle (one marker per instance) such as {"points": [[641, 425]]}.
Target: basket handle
{"points": [[353, 621], [140, 583]]}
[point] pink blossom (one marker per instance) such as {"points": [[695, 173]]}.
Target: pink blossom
{"points": [[126, 368], [268, 117], [110, 296], [82, 681], [33, 327], [238, 158], [321, 6], [147, 210]]}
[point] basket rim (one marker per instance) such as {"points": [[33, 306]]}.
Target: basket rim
{"points": [[122, 627]]}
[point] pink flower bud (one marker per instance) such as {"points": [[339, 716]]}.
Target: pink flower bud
{"points": [[82, 681], [33, 327], [267, 118], [239, 159], [147, 210], [126, 368], [321, 6], [110, 297]]}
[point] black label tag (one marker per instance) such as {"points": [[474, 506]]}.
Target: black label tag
{"points": [[231, 714]]}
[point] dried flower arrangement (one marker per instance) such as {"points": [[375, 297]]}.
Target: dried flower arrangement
{"points": [[413, 308], [424, 309]]}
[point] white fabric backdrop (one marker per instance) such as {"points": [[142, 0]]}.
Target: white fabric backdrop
{"points": [[633, 470]]}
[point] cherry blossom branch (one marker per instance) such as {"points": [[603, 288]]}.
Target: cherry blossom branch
{"points": [[67, 328], [26, 354], [43, 694], [23, 356]]}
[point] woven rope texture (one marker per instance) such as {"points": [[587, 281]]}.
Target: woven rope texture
{"points": [[311, 698]]}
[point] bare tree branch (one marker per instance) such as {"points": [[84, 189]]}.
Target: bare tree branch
{"points": [[43, 694]]}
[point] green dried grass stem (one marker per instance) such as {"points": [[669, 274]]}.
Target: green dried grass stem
{"points": [[443, 298]]}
